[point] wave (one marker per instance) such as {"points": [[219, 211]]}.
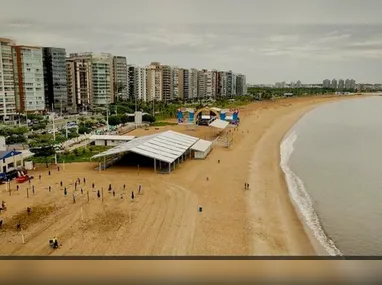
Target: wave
{"points": [[301, 198]]}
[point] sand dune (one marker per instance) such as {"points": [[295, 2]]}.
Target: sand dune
{"points": [[164, 219]]}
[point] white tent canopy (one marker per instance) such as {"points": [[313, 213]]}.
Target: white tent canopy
{"points": [[201, 145], [220, 124], [166, 146], [111, 137]]}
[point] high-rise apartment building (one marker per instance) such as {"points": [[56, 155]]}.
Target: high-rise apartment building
{"points": [[55, 82], [241, 85], [175, 83], [233, 91], [92, 79], [154, 82], [79, 80], [120, 78], [7, 83], [229, 83], [326, 83], [334, 84], [184, 83], [193, 83], [347, 84], [29, 78], [202, 83], [298, 84], [211, 84], [352, 84], [223, 83], [341, 84], [166, 78], [131, 81], [140, 81]]}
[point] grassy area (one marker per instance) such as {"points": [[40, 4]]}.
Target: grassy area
{"points": [[161, 124], [82, 154]]}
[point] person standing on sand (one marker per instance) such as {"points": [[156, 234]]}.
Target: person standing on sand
{"points": [[139, 189], [98, 194], [39, 177], [113, 193], [50, 188], [74, 199], [84, 180], [49, 172], [61, 183], [75, 185], [33, 189], [82, 191], [93, 185], [65, 192], [124, 186], [109, 189], [132, 195], [17, 187], [58, 168]]}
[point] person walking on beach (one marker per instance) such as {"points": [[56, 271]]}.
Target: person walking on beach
{"points": [[58, 168], [132, 195], [139, 189], [109, 189], [33, 189], [124, 186], [65, 192], [113, 193], [39, 177], [74, 199], [18, 226], [75, 185], [84, 180], [98, 194], [61, 183], [50, 188], [49, 172], [17, 187], [82, 191], [93, 185]]}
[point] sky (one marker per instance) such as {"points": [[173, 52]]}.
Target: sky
{"points": [[267, 40]]}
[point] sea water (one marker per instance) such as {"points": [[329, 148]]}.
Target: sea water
{"points": [[332, 159]]}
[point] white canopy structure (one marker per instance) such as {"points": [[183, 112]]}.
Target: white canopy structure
{"points": [[219, 124], [201, 149], [111, 137], [167, 147]]}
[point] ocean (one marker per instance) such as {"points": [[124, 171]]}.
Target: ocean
{"points": [[332, 159]]}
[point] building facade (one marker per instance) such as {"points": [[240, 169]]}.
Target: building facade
{"points": [[120, 78], [166, 78], [241, 85], [202, 81], [55, 81], [175, 83], [154, 82], [211, 84], [184, 84], [29, 78], [140, 80], [7, 81], [193, 83]]}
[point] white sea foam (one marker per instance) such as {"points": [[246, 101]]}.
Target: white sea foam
{"points": [[301, 198]]}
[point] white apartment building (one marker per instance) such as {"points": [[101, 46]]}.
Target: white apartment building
{"points": [[175, 82], [7, 83], [233, 91], [154, 82], [103, 81], [29, 78], [193, 83], [140, 80], [202, 91], [210, 77], [223, 83]]}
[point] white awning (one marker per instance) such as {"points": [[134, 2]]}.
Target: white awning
{"points": [[166, 146], [201, 145], [111, 138], [220, 124]]}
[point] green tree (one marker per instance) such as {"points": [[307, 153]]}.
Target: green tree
{"points": [[114, 120]]}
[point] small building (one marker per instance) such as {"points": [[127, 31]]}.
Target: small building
{"points": [[10, 160], [288, 94], [109, 140], [201, 149]]}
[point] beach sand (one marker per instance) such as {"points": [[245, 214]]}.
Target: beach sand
{"points": [[164, 219]]}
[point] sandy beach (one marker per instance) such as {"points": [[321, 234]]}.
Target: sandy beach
{"points": [[164, 218]]}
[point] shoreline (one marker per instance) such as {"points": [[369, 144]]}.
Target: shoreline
{"points": [[283, 231]]}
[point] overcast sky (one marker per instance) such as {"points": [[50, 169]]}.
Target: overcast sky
{"points": [[268, 40]]}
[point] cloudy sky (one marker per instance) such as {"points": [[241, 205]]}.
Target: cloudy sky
{"points": [[268, 40]]}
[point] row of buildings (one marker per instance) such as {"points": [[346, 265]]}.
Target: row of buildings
{"points": [[348, 84], [34, 79], [283, 84]]}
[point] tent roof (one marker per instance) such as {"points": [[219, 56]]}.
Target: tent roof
{"points": [[8, 153], [111, 137], [201, 145], [220, 124], [166, 146]]}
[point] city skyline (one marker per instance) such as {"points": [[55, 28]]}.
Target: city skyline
{"points": [[319, 43]]}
